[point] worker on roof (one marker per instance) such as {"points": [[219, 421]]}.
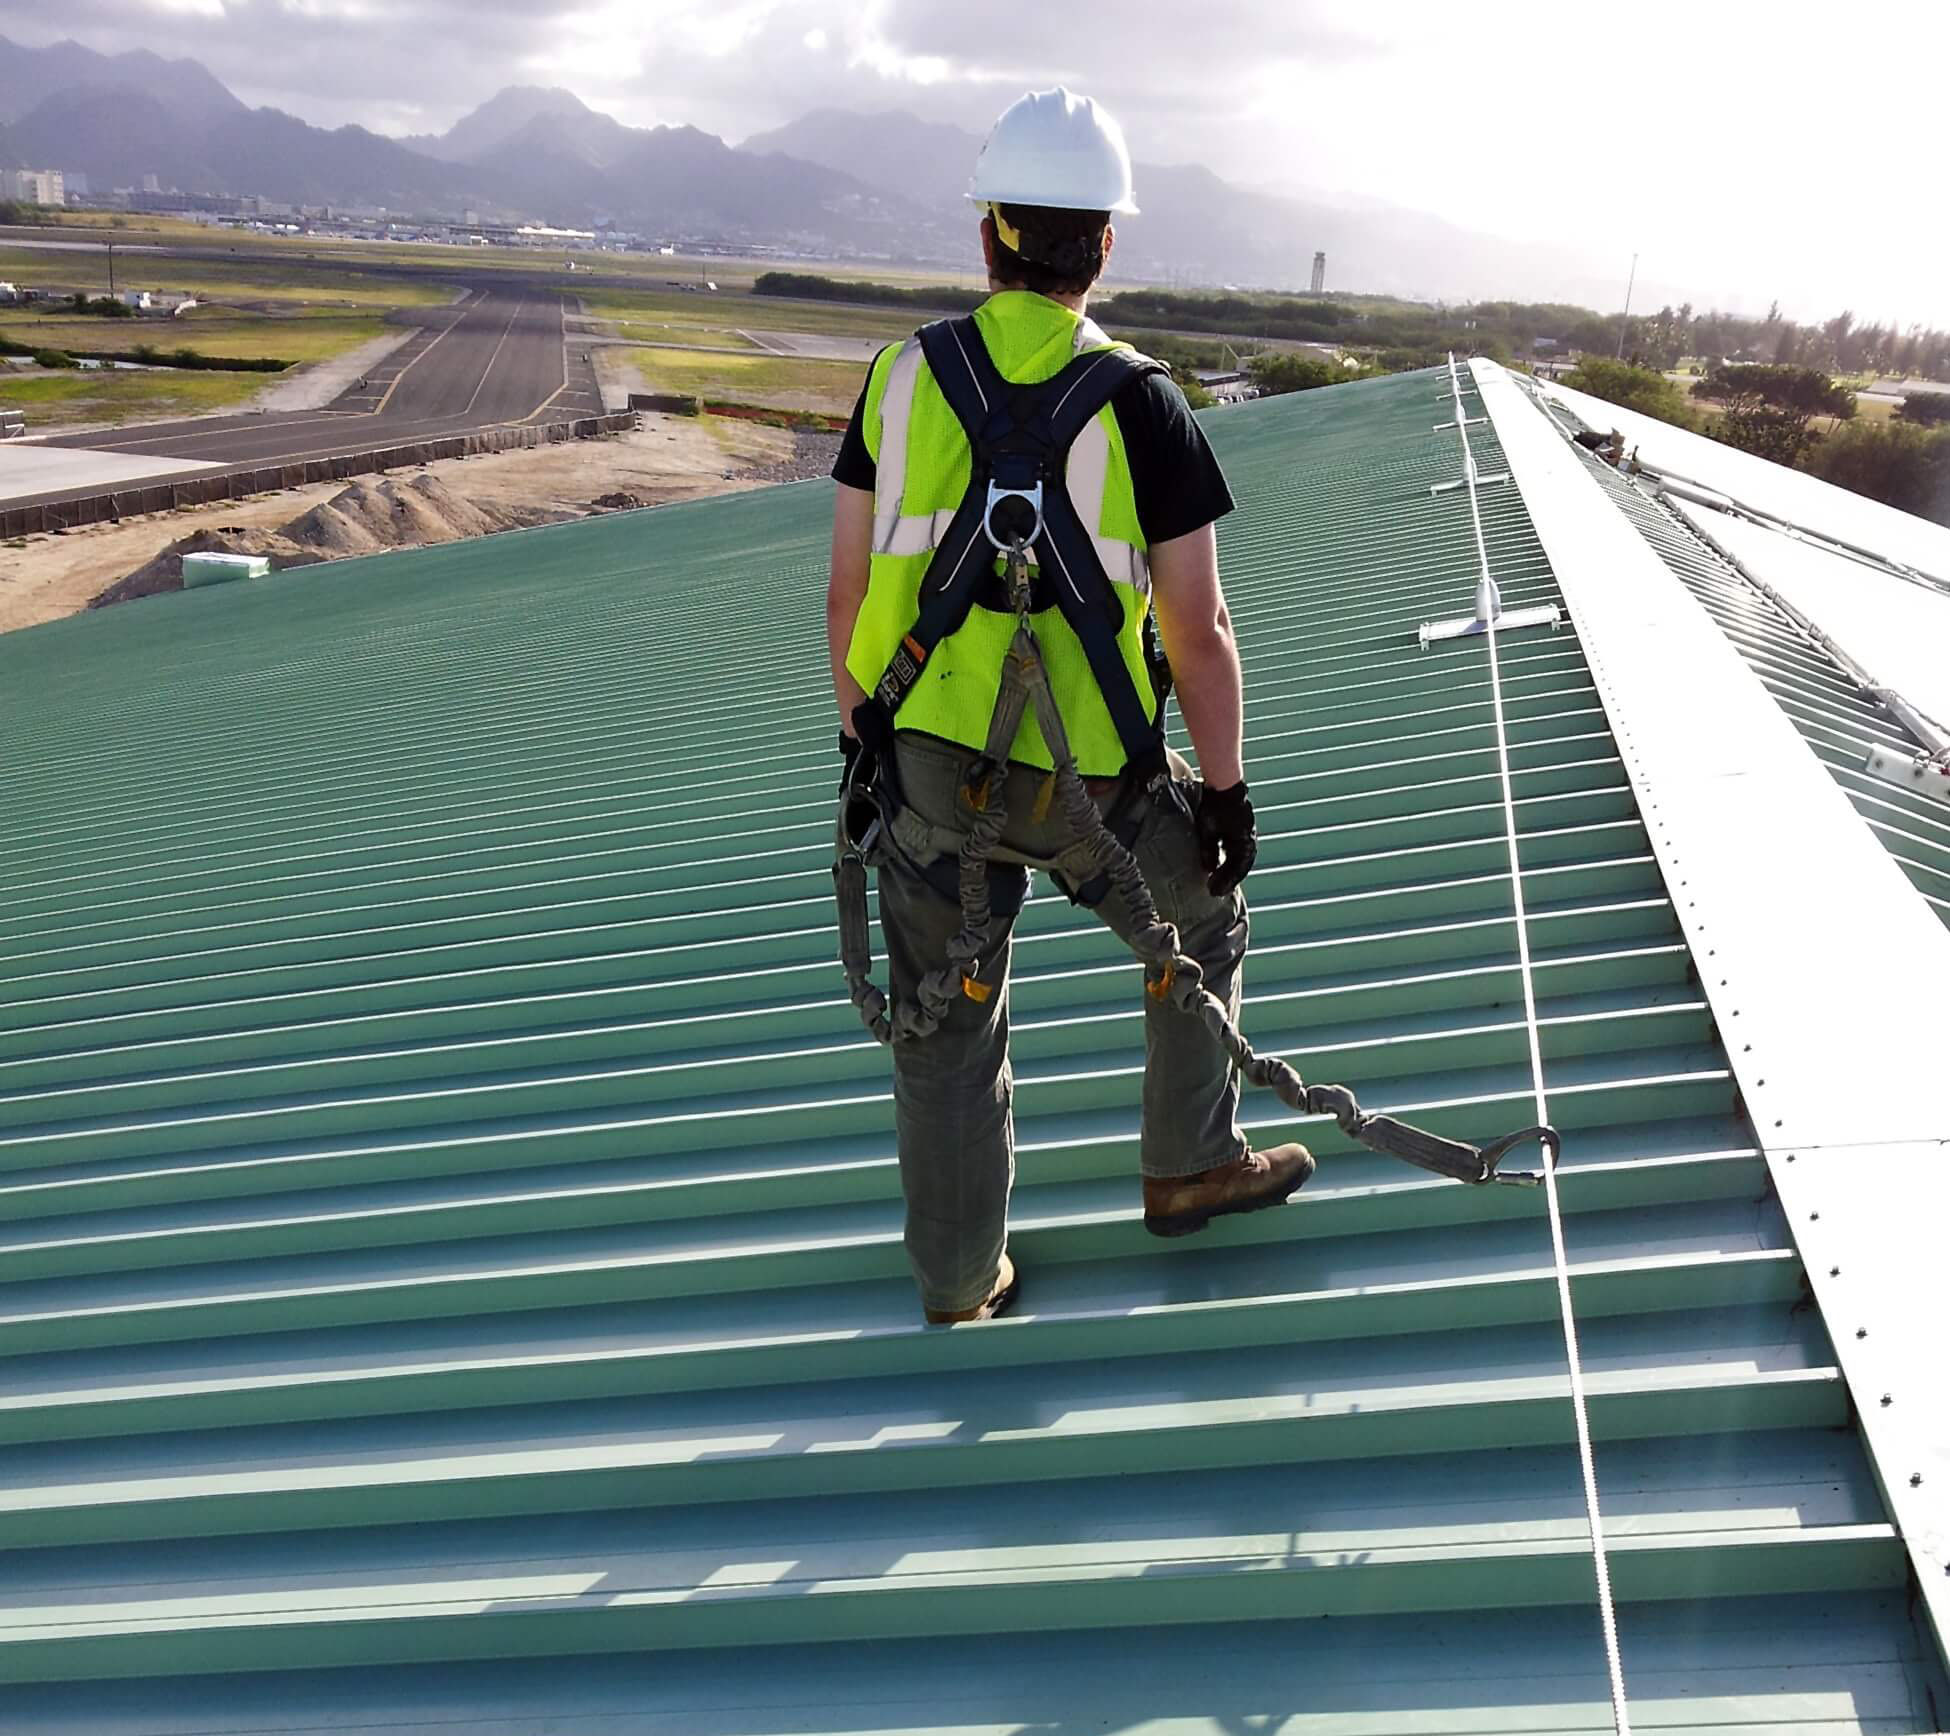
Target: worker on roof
{"points": [[1148, 491]]}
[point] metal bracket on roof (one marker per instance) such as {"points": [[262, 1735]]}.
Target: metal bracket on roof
{"points": [[1465, 481], [1465, 422], [1489, 607], [1925, 775]]}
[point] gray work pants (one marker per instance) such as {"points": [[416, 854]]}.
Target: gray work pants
{"points": [[952, 1089]]}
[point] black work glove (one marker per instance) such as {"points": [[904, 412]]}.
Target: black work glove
{"points": [[1227, 842], [850, 750]]}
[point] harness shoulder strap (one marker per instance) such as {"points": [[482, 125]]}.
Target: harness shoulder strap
{"points": [[966, 374], [998, 412]]}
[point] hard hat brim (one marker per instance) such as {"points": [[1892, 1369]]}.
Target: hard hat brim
{"points": [[1125, 207]]}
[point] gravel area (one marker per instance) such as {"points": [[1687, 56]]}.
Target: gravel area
{"points": [[813, 452]]}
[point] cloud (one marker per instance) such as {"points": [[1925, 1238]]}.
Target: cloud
{"points": [[1723, 151]]}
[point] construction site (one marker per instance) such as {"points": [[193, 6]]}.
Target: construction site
{"points": [[452, 1238]]}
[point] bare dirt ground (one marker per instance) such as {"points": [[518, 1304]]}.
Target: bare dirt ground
{"points": [[44, 578]]}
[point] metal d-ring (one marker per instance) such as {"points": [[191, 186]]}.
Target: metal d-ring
{"points": [[999, 493]]}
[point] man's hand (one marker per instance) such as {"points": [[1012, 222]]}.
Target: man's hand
{"points": [[1228, 844]]}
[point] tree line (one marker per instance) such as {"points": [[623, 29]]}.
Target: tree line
{"points": [[1769, 381], [1395, 335], [1836, 346]]}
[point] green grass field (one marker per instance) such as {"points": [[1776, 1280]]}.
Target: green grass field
{"points": [[829, 318], [256, 308], [67, 400], [250, 279], [685, 320], [780, 382], [295, 337], [674, 315]]}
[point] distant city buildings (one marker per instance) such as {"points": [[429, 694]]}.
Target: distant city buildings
{"points": [[34, 186]]}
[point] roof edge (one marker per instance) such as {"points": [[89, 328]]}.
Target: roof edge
{"points": [[1816, 954]]}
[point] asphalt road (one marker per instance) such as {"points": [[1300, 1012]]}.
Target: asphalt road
{"points": [[498, 358]]}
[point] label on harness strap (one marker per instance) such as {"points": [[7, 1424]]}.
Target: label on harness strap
{"points": [[901, 674]]}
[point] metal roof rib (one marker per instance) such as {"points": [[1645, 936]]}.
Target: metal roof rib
{"points": [[449, 1225]]}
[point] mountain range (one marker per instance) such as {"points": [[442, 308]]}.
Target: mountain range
{"points": [[831, 182]]}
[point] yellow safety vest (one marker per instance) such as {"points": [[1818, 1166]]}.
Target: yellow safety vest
{"points": [[922, 468]]}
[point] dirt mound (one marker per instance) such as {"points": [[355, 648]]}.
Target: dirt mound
{"points": [[389, 515], [360, 520], [165, 572], [467, 517], [620, 501], [330, 531]]}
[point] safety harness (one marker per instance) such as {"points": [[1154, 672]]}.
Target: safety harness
{"points": [[1016, 505]]}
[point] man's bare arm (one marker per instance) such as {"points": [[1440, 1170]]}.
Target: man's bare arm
{"points": [[1197, 635], [846, 590]]}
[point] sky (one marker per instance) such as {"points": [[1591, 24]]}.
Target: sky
{"points": [[1745, 152]]}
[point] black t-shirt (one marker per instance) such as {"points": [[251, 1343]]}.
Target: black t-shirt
{"points": [[1174, 474]]}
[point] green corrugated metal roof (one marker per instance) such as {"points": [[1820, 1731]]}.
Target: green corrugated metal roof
{"points": [[451, 1211]]}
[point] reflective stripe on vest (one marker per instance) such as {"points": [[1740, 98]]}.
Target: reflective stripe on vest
{"points": [[890, 479], [896, 533]]}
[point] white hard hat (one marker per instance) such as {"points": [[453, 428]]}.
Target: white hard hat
{"points": [[1055, 148]]}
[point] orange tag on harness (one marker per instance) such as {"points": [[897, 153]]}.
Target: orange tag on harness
{"points": [[1162, 987], [1044, 796], [915, 648], [976, 991]]}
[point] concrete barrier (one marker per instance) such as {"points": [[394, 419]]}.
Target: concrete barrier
{"points": [[113, 505], [666, 403]]}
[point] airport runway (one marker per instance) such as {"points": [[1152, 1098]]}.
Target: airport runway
{"points": [[498, 358]]}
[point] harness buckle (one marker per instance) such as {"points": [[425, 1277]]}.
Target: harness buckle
{"points": [[1016, 575]]}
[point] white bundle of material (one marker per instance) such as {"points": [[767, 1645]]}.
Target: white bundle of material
{"points": [[215, 569]]}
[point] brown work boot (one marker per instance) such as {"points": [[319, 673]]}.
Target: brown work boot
{"points": [[1179, 1204], [1008, 1286]]}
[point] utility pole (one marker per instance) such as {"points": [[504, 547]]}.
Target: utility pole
{"points": [[111, 271], [1625, 323]]}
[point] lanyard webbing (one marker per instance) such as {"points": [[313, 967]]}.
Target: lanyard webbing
{"points": [[1607, 1616]]}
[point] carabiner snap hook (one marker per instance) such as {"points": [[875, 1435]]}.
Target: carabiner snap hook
{"points": [[1494, 1153], [860, 814]]}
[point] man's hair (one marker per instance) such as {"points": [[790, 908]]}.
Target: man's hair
{"points": [[1061, 252]]}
